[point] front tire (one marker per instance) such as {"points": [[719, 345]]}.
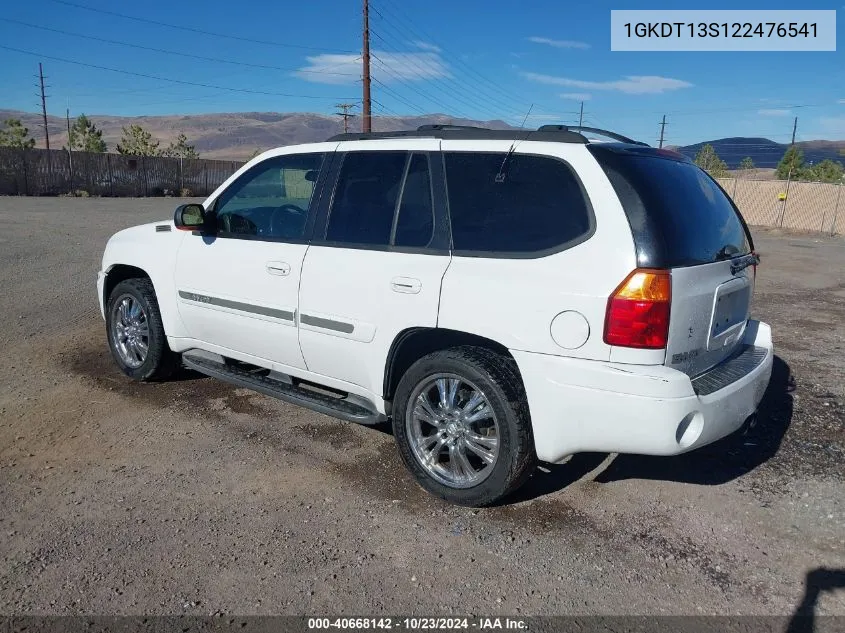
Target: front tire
{"points": [[462, 426], [136, 333]]}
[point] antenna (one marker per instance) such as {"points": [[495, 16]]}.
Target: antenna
{"points": [[500, 176]]}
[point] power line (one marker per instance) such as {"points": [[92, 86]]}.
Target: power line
{"points": [[493, 86], [387, 70], [399, 97], [169, 52], [386, 109], [457, 89], [159, 78], [199, 31]]}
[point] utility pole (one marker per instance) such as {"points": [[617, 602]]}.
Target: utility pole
{"points": [[581, 116], [345, 114], [789, 174], [44, 105], [69, 148], [367, 125], [662, 127]]}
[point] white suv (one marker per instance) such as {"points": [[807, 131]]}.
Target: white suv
{"points": [[504, 297]]}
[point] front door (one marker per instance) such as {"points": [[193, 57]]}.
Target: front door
{"points": [[376, 263], [237, 288]]}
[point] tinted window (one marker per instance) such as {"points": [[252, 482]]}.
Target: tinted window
{"points": [[415, 223], [537, 205], [679, 216], [271, 200], [365, 198]]}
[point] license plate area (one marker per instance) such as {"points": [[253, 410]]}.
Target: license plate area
{"points": [[730, 312]]}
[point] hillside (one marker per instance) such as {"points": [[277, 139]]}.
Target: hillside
{"points": [[232, 136], [238, 135], [764, 152]]}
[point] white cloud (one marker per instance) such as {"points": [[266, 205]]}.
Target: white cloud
{"points": [[386, 67], [842, 101], [577, 96], [426, 46], [632, 84], [558, 43], [774, 112]]}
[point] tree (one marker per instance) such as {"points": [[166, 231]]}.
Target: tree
{"points": [[15, 135], [791, 165], [710, 162], [747, 164], [826, 171], [180, 149], [136, 141], [85, 137]]}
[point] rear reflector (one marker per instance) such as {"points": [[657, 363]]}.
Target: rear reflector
{"points": [[638, 310]]}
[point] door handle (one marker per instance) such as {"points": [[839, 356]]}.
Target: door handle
{"points": [[278, 268], [407, 285]]}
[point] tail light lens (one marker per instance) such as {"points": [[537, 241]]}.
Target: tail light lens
{"points": [[638, 310]]}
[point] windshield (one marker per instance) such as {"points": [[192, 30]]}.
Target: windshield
{"points": [[678, 214]]}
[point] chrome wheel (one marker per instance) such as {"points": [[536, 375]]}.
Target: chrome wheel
{"points": [[452, 430], [130, 331]]}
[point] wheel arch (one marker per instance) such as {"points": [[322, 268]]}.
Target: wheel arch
{"points": [[413, 343], [121, 272]]}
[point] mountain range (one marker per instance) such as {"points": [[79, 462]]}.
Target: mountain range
{"points": [[237, 135]]}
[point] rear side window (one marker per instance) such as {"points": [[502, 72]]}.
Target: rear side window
{"points": [[536, 203], [415, 223], [679, 215], [365, 199]]}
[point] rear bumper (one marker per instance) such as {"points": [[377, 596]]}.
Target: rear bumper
{"points": [[579, 406]]}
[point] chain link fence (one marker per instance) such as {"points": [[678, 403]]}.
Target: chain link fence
{"points": [[41, 172], [804, 206]]}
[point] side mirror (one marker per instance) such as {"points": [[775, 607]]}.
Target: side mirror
{"points": [[189, 217]]}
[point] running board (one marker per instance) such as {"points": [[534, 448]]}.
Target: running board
{"points": [[321, 403]]}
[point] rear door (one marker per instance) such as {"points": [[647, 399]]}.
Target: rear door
{"points": [[682, 220], [375, 266]]}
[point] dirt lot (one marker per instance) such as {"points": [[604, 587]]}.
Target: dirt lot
{"points": [[197, 497]]}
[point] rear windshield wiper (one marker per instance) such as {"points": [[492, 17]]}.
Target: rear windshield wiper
{"points": [[740, 261]]}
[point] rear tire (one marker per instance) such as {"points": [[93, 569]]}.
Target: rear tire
{"points": [[478, 448], [135, 332]]}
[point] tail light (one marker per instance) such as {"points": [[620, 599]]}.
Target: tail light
{"points": [[638, 310]]}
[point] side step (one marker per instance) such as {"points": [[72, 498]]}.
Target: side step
{"points": [[320, 402]]}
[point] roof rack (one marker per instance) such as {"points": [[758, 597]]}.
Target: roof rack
{"points": [[594, 130], [466, 132], [551, 133]]}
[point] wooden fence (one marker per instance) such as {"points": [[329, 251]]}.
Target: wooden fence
{"points": [[41, 172]]}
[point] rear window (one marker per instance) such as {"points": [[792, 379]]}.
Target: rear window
{"points": [[525, 204], [678, 214]]}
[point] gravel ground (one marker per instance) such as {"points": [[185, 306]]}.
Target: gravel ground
{"points": [[197, 497]]}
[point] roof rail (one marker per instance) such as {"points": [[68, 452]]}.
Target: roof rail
{"points": [[431, 127], [594, 130], [468, 132]]}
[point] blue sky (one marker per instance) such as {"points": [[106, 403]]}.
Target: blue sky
{"points": [[476, 58]]}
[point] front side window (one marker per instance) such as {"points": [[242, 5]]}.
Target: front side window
{"points": [[514, 203], [270, 201]]}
